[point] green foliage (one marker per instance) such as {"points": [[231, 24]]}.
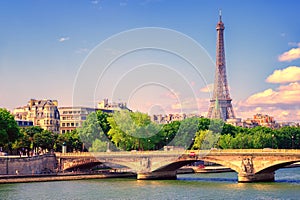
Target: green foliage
{"points": [[186, 133], [205, 139], [91, 130], [32, 130], [261, 137], [26, 137], [44, 140], [102, 119], [131, 130], [98, 146], [203, 124], [9, 130], [70, 139], [24, 140]]}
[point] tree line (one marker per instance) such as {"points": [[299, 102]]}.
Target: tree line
{"points": [[128, 131]]}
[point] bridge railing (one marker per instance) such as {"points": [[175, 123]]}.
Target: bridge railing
{"points": [[179, 152]]}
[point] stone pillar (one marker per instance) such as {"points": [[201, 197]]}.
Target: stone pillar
{"points": [[166, 175], [260, 177]]}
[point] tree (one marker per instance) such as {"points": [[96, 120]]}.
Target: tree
{"points": [[287, 137], [205, 139], [9, 130], [102, 119], [45, 140], [186, 133], [225, 141], [32, 130], [70, 139], [203, 124], [91, 130], [132, 130]]}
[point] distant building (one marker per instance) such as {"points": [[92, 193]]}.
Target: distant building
{"points": [[165, 119], [235, 122], [264, 120], [250, 123], [104, 105], [43, 113], [73, 117], [288, 124]]}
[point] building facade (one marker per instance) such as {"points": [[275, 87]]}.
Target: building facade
{"points": [[264, 120], [43, 113], [107, 106], [24, 123], [165, 119], [73, 117]]}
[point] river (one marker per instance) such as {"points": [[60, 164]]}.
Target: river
{"points": [[187, 186]]}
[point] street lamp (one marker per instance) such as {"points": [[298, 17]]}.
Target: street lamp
{"points": [[292, 141], [64, 148], [149, 144]]}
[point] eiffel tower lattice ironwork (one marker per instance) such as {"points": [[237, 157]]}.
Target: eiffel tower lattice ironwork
{"points": [[220, 104]]}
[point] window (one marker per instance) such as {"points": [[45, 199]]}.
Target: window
{"points": [[63, 124]]}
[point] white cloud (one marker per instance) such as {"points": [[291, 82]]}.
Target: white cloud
{"points": [[283, 102], [209, 88], [283, 95], [287, 75], [292, 54], [294, 44], [291, 114], [63, 39], [95, 2]]}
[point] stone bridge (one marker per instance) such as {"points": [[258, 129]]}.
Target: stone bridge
{"points": [[252, 165]]}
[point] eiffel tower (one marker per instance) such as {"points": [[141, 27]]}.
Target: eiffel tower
{"points": [[220, 104]]}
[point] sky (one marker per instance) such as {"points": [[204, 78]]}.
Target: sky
{"points": [[156, 55]]}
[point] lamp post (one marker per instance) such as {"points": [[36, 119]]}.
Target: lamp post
{"points": [[149, 144], [7, 164], [292, 141], [272, 141], [64, 148]]}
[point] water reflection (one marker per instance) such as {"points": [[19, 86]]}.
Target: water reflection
{"points": [[188, 186]]}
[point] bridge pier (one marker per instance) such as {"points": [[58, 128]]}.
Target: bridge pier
{"points": [[166, 175], [260, 177]]}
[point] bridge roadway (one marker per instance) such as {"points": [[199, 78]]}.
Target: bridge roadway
{"points": [[252, 165]]}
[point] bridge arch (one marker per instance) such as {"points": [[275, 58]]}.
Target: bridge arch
{"points": [[273, 167]]}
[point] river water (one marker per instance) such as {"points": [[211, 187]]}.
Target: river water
{"points": [[187, 186]]}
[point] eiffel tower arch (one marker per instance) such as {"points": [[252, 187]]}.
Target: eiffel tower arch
{"points": [[220, 104]]}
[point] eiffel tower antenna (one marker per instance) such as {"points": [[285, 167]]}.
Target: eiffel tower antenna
{"points": [[220, 104]]}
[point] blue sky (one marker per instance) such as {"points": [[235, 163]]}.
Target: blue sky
{"points": [[44, 44]]}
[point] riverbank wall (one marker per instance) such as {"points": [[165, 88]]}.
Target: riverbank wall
{"points": [[60, 177], [16, 165]]}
